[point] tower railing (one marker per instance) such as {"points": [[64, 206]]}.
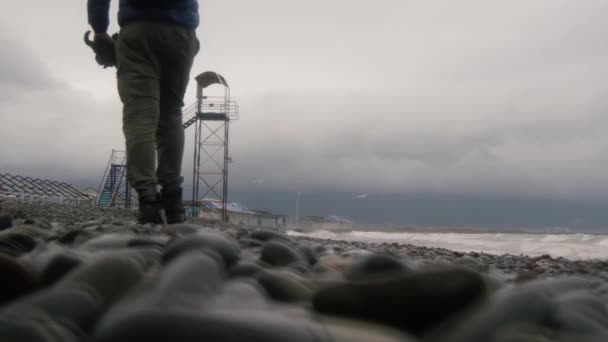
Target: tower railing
{"points": [[213, 108]]}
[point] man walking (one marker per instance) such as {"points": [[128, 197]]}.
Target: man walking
{"points": [[154, 53]]}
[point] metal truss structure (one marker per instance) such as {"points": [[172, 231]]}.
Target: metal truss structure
{"points": [[114, 189], [211, 116], [35, 189]]}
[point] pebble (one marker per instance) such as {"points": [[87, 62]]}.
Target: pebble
{"points": [[285, 286], [245, 269], [90, 274], [276, 253], [58, 266], [413, 302], [267, 235], [221, 244], [70, 309], [16, 244], [16, 280], [6, 221], [373, 266]]}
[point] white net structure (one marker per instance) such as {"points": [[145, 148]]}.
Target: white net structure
{"points": [[35, 189]]}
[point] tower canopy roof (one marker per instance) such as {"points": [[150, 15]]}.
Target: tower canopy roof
{"points": [[208, 78]]}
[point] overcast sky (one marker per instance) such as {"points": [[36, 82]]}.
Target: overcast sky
{"points": [[477, 97]]}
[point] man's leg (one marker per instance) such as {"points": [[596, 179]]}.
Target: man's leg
{"points": [[181, 47], [170, 137], [138, 86]]}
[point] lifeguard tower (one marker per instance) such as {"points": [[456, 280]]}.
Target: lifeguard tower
{"points": [[211, 116]]}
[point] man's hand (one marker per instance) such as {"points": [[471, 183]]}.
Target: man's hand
{"points": [[104, 47], [103, 38]]}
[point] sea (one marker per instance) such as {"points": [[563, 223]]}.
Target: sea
{"points": [[571, 246]]}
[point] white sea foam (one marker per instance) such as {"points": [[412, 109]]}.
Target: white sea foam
{"points": [[574, 246]]}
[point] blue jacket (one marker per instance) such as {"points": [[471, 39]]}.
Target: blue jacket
{"points": [[178, 12]]}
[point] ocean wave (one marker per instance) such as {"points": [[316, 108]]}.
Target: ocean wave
{"points": [[574, 246]]}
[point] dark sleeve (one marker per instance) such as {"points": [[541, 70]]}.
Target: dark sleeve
{"points": [[98, 15]]}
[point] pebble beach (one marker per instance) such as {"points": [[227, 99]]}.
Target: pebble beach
{"points": [[90, 274]]}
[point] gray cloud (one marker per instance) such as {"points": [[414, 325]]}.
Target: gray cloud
{"points": [[48, 127], [21, 72], [551, 147], [467, 97]]}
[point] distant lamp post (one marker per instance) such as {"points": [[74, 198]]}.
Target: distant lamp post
{"points": [[298, 210]]}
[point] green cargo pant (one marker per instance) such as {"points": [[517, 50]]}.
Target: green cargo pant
{"points": [[154, 62]]}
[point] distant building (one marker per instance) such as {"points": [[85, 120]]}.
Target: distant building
{"points": [[330, 223], [267, 219], [237, 214], [337, 223], [310, 223]]}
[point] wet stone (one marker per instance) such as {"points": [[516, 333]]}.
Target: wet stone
{"points": [[71, 308], [107, 277], [108, 241], [245, 269], [60, 265], [300, 267], [16, 280], [145, 242], [238, 294], [267, 235], [241, 232], [222, 245], [191, 275], [6, 221], [276, 253], [180, 229], [16, 244], [247, 242], [414, 302], [472, 263], [211, 325], [354, 254], [373, 266], [74, 236], [322, 269], [285, 286], [335, 263], [308, 253], [525, 276], [94, 275]]}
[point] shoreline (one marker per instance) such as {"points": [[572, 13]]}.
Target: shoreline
{"points": [[531, 231], [572, 247], [93, 274]]}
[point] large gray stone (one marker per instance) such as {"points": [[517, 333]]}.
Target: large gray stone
{"points": [[277, 253], [285, 286], [267, 235], [6, 221], [69, 310], [374, 265], [414, 302], [222, 245]]}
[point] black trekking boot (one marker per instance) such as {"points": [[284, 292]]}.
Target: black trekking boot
{"points": [[150, 211], [174, 206]]}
